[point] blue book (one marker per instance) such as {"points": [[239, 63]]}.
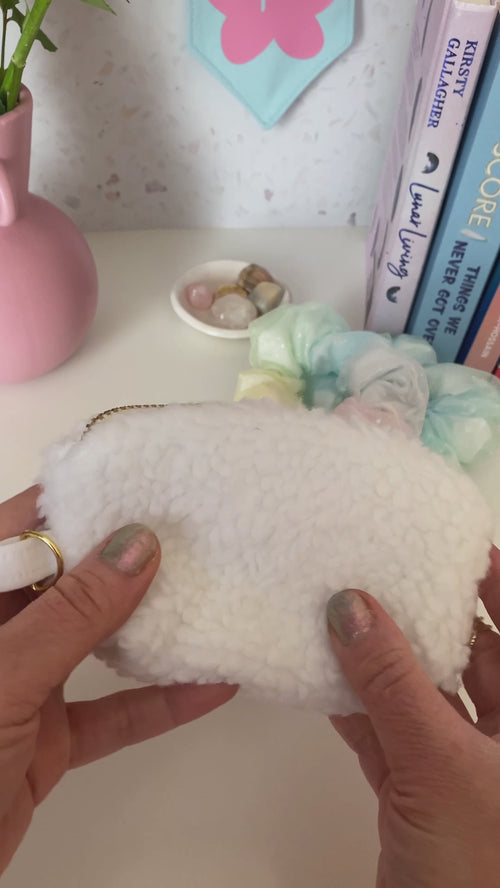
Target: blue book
{"points": [[470, 353], [468, 234]]}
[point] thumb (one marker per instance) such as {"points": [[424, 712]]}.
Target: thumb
{"points": [[46, 641], [410, 717]]}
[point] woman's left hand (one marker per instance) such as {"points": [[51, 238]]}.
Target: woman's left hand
{"points": [[436, 773], [43, 640]]}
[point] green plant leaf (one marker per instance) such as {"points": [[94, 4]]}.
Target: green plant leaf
{"points": [[46, 41], [3, 103], [100, 4], [20, 19]]}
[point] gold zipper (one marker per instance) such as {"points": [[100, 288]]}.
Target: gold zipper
{"points": [[113, 410]]}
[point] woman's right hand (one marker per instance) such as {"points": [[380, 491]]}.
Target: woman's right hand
{"points": [[42, 641], [435, 772]]}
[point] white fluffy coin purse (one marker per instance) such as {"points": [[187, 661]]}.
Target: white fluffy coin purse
{"points": [[263, 512]]}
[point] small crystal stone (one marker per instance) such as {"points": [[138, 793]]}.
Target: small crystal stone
{"points": [[234, 312], [228, 289], [253, 275], [266, 296], [199, 295]]}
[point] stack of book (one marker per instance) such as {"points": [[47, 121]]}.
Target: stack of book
{"points": [[434, 244]]}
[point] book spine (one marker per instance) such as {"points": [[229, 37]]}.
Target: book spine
{"points": [[479, 346], [484, 353], [466, 243], [411, 80], [441, 78]]}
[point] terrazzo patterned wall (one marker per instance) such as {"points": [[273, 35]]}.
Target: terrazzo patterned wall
{"points": [[131, 132]]}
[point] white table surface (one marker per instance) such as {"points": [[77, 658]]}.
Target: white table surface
{"points": [[254, 796]]}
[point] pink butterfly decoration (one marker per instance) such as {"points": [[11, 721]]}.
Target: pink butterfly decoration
{"points": [[251, 25]]}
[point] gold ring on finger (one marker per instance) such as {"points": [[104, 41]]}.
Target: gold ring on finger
{"points": [[54, 548], [478, 627]]}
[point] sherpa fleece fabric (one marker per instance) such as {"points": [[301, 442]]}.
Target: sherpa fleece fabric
{"points": [[262, 513]]}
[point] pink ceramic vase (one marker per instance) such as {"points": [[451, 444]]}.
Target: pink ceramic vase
{"points": [[48, 279]]}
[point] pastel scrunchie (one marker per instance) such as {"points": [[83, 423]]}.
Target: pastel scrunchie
{"points": [[308, 354]]}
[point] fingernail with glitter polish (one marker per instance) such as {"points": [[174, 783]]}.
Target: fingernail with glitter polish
{"points": [[130, 549], [349, 616]]}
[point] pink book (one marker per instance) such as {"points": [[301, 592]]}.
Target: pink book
{"points": [[447, 49]]}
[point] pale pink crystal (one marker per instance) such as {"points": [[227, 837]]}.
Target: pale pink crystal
{"points": [[199, 295]]}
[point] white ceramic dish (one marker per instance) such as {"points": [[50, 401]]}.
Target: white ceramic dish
{"points": [[215, 273]]}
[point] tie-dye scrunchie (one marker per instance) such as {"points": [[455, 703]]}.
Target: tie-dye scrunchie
{"points": [[308, 354]]}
